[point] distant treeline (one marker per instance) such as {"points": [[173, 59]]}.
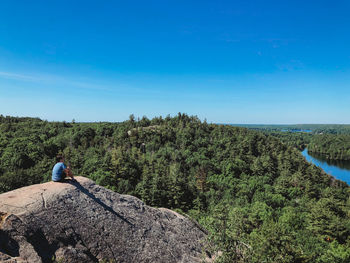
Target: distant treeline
{"points": [[334, 147], [332, 141], [312, 128], [258, 197]]}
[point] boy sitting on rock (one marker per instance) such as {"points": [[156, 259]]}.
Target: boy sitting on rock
{"points": [[60, 171]]}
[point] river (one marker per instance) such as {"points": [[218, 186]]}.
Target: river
{"points": [[339, 169]]}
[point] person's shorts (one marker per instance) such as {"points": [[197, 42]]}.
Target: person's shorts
{"points": [[63, 176]]}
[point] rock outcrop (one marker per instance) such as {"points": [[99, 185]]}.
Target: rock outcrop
{"points": [[83, 222]]}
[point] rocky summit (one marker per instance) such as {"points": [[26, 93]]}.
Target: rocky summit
{"points": [[83, 222]]}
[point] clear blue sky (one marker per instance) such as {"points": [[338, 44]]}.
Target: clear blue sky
{"points": [[226, 61]]}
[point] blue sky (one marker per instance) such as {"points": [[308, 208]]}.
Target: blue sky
{"points": [[226, 61]]}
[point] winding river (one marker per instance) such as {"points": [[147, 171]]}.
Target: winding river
{"points": [[339, 169]]}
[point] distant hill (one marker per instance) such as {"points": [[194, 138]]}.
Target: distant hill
{"points": [[312, 128]]}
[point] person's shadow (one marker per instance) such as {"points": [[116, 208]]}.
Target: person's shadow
{"points": [[97, 200]]}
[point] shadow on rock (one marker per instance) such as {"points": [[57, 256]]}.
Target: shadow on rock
{"points": [[8, 245], [41, 245], [97, 200]]}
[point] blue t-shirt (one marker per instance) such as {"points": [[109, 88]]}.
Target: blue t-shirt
{"points": [[57, 171]]}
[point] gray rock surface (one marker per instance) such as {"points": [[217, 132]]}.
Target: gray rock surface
{"points": [[84, 222]]}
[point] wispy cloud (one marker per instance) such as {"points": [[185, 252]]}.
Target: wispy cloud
{"points": [[15, 76], [85, 85], [278, 42], [55, 79], [291, 65], [82, 83]]}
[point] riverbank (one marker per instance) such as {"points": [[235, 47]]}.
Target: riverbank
{"points": [[338, 168]]}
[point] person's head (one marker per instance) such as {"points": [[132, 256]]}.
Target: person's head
{"points": [[59, 158]]}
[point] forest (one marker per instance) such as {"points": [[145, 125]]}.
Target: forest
{"points": [[332, 141], [308, 128], [253, 191]]}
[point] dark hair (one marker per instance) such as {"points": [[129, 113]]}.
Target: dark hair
{"points": [[59, 157]]}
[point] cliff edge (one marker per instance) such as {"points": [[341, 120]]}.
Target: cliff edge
{"points": [[83, 222]]}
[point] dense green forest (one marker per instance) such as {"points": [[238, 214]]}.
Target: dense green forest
{"points": [[255, 194], [305, 128], [334, 147], [332, 141]]}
